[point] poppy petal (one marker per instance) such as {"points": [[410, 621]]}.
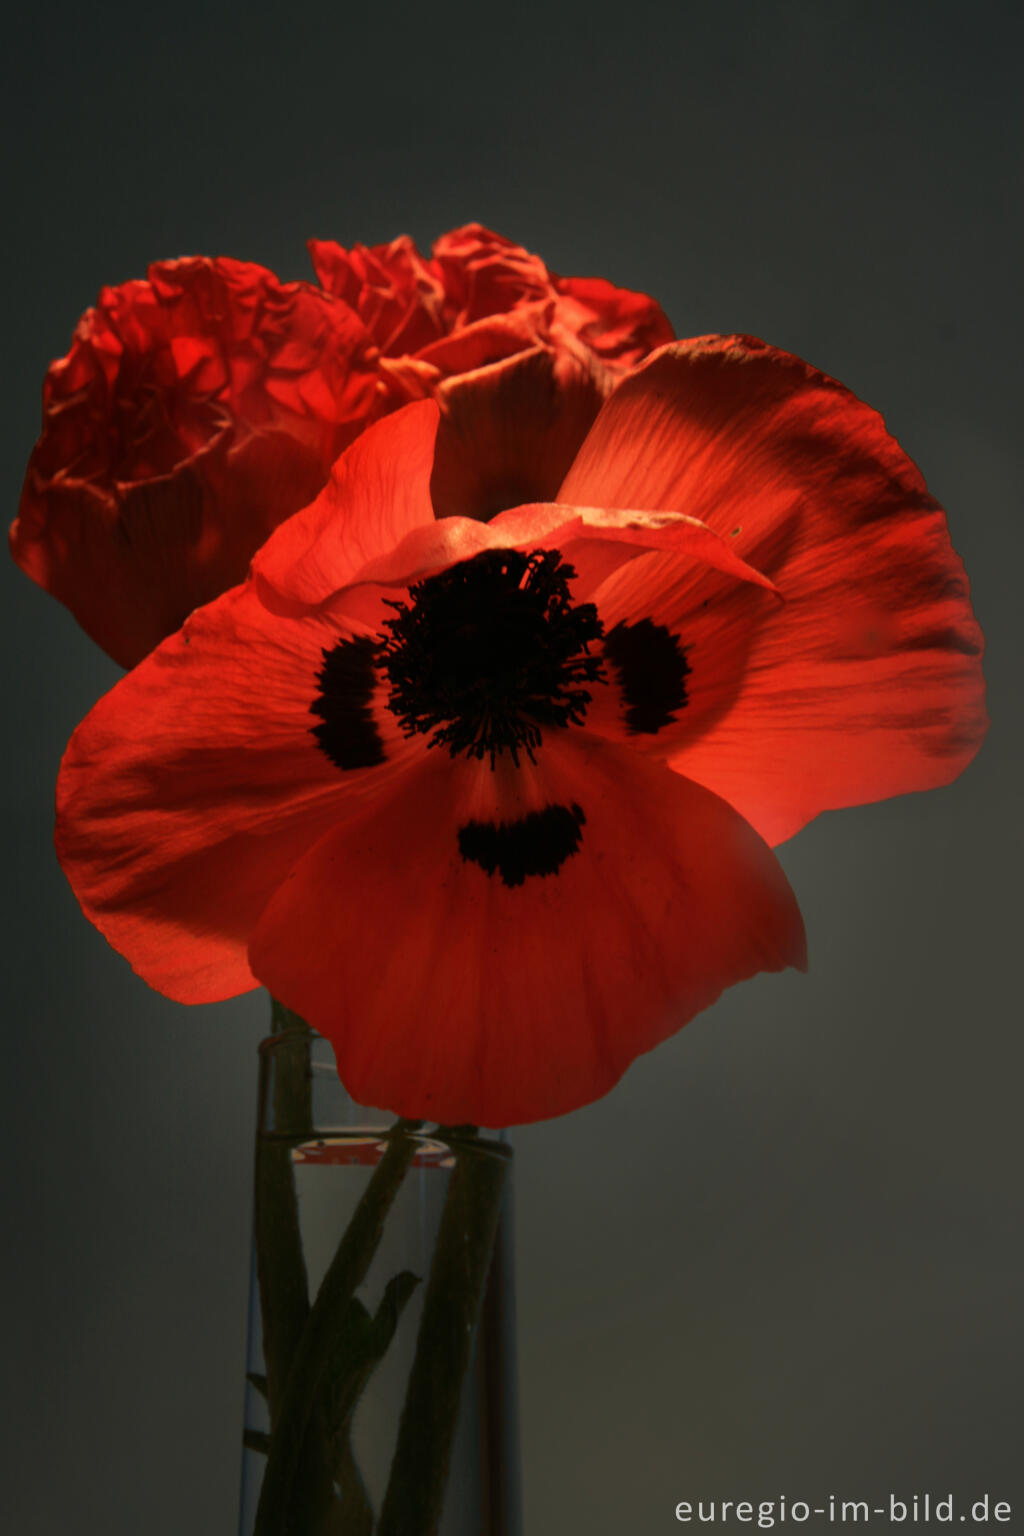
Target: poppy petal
{"points": [[191, 789], [378, 491], [509, 432], [678, 636], [392, 289], [882, 696], [583, 908], [491, 339], [621, 326], [594, 540], [598, 540], [866, 680], [128, 565]]}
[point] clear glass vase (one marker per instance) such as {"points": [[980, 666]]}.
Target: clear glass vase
{"points": [[380, 1396]]}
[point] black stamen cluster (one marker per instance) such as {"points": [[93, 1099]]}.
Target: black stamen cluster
{"points": [[489, 651]]}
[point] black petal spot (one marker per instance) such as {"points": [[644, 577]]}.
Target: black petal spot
{"points": [[651, 669], [347, 679], [537, 844]]}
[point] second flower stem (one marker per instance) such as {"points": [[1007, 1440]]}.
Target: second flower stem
{"points": [[414, 1499], [319, 1340]]}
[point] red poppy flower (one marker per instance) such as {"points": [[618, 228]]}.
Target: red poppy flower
{"points": [[194, 411], [199, 408], [490, 803]]}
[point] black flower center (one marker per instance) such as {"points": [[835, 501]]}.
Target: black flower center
{"points": [[488, 652]]}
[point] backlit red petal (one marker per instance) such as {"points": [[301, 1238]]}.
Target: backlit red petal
{"points": [[599, 540], [378, 491], [594, 540], [451, 994], [191, 789], [509, 432], [866, 680]]}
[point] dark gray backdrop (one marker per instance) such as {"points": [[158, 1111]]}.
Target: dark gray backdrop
{"points": [[779, 1258]]}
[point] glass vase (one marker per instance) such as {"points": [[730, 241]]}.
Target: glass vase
{"points": [[380, 1384]]}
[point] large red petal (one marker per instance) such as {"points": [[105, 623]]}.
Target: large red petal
{"points": [[191, 789], [379, 490], [452, 995], [509, 432], [866, 681], [702, 615]]}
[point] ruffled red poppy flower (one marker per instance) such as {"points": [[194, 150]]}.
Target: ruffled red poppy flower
{"points": [[490, 803], [193, 413], [198, 409]]}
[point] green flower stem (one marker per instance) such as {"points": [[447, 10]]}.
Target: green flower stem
{"points": [[293, 1073], [497, 1387], [284, 1296], [330, 1320], [414, 1499]]}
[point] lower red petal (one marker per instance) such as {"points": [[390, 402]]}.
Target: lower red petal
{"points": [[456, 994]]}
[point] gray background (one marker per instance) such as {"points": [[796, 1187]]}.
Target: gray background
{"points": [[780, 1257]]}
